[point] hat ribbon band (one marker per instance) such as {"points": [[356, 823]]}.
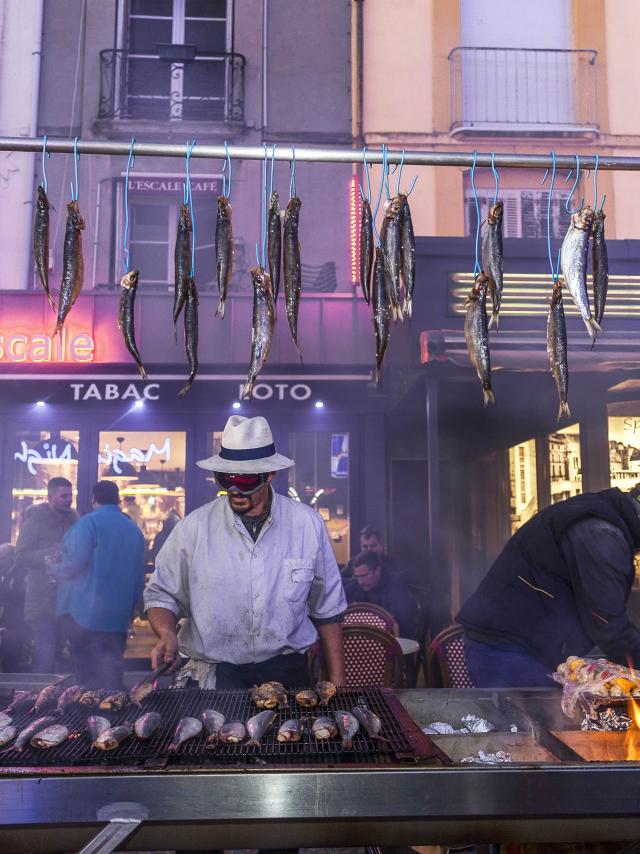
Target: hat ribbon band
{"points": [[248, 454]]}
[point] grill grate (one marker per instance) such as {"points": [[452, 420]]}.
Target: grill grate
{"points": [[174, 704]]}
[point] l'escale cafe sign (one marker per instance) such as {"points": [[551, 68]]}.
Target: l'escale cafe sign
{"points": [[23, 346]]}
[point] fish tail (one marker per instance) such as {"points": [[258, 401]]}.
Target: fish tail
{"points": [[489, 396], [220, 309], [564, 410], [175, 330], [246, 390], [143, 373], [295, 341], [593, 327], [495, 320], [185, 388], [408, 306], [51, 302], [253, 741]]}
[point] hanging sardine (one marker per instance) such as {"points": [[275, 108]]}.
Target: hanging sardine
{"points": [[292, 266], [573, 261], [557, 347], [263, 323], [476, 333], [41, 242], [492, 258], [381, 310], [190, 333], [274, 244], [600, 265], [407, 255], [224, 250], [391, 239], [366, 249], [126, 317], [182, 259], [72, 263]]}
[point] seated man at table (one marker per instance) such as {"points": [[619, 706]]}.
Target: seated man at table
{"points": [[370, 583]]}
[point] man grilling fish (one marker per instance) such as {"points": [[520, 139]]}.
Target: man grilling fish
{"points": [[253, 575]]}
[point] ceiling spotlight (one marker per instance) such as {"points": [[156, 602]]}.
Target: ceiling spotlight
{"points": [[235, 404], [40, 403], [319, 404], [139, 404]]}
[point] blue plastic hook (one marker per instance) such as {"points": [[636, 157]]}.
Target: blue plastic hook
{"points": [[292, 165], [554, 272], [366, 172], [226, 181], [477, 268], [379, 199], [125, 239], [45, 154], [595, 182], [189, 200], [575, 184], [495, 176], [76, 157]]}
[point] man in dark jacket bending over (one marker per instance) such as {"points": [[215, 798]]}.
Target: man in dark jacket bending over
{"points": [[559, 587]]}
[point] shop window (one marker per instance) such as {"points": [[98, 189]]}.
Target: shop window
{"points": [[149, 468], [565, 470], [39, 456], [624, 447], [523, 485], [320, 478]]}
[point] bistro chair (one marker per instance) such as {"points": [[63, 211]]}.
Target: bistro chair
{"points": [[367, 614], [445, 653], [372, 656]]}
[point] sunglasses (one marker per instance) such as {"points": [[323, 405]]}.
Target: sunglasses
{"points": [[243, 483]]}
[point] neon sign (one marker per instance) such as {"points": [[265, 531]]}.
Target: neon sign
{"points": [[20, 346], [114, 456], [34, 458]]}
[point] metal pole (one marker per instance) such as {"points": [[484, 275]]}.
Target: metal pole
{"points": [[322, 154]]}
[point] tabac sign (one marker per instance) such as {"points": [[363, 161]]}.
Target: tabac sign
{"points": [[24, 346]]}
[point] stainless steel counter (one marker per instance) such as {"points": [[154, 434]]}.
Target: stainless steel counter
{"points": [[242, 808]]}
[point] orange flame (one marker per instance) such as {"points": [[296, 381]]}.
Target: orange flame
{"points": [[632, 739]]}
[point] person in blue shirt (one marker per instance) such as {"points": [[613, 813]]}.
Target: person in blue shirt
{"points": [[101, 577]]}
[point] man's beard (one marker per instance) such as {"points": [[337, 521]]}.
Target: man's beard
{"points": [[248, 506]]}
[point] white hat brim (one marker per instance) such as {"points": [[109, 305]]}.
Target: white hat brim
{"points": [[276, 462]]}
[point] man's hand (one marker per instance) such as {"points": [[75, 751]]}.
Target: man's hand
{"points": [[166, 650]]}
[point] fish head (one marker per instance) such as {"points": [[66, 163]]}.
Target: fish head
{"points": [[495, 212], [274, 202], [261, 279], [293, 209], [130, 280], [43, 202], [224, 208], [583, 218], [184, 218], [598, 220], [393, 207]]}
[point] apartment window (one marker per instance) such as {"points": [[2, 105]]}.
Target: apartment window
{"points": [[176, 66], [525, 212], [523, 484], [565, 463]]}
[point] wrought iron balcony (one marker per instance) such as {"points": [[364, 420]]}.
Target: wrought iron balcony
{"points": [[161, 87], [523, 90]]}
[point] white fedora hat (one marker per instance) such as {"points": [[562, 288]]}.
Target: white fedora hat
{"points": [[247, 448]]}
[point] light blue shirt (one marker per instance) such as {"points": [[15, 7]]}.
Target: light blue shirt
{"points": [[102, 570], [246, 602]]}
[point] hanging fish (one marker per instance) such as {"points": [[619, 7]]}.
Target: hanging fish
{"points": [[274, 244], [263, 323], [224, 250], [573, 260], [381, 310], [492, 257], [292, 266], [41, 242], [126, 317], [191, 334], [407, 255], [600, 265], [72, 264], [182, 264], [557, 347], [366, 249], [476, 333], [391, 239]]}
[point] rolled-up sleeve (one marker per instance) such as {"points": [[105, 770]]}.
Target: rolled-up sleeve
{"points": [[168, 586], [327, 601]]}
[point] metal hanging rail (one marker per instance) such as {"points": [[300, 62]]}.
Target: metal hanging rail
{"points": [[321, 154]]}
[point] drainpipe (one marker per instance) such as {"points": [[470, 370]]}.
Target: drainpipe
{"points": [[357, 78], [30, 168], [265, 53]]}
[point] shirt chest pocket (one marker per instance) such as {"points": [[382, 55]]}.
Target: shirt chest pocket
{"points": [[298, 576]]}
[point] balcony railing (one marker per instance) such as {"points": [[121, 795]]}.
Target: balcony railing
{"points": [[208, 87], [523, 90]]}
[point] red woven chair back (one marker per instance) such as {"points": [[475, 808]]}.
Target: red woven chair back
{"points": [[446, 651], [371, 656], [366, 614]]}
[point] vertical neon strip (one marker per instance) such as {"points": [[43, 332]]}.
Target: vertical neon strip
{"points": [[354, 211]]}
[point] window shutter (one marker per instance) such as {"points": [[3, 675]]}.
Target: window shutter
{"points": [[511, 225]]}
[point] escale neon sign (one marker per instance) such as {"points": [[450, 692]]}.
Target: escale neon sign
{"points": [[23, 347]]}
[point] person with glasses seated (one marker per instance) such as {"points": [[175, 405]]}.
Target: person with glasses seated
{"points": [[251, 575], [370, 583]]}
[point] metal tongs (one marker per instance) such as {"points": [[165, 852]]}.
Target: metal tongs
{"points": [[154, 674]]}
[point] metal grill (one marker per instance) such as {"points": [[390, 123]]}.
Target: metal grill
{"points": [[173, 705]]}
